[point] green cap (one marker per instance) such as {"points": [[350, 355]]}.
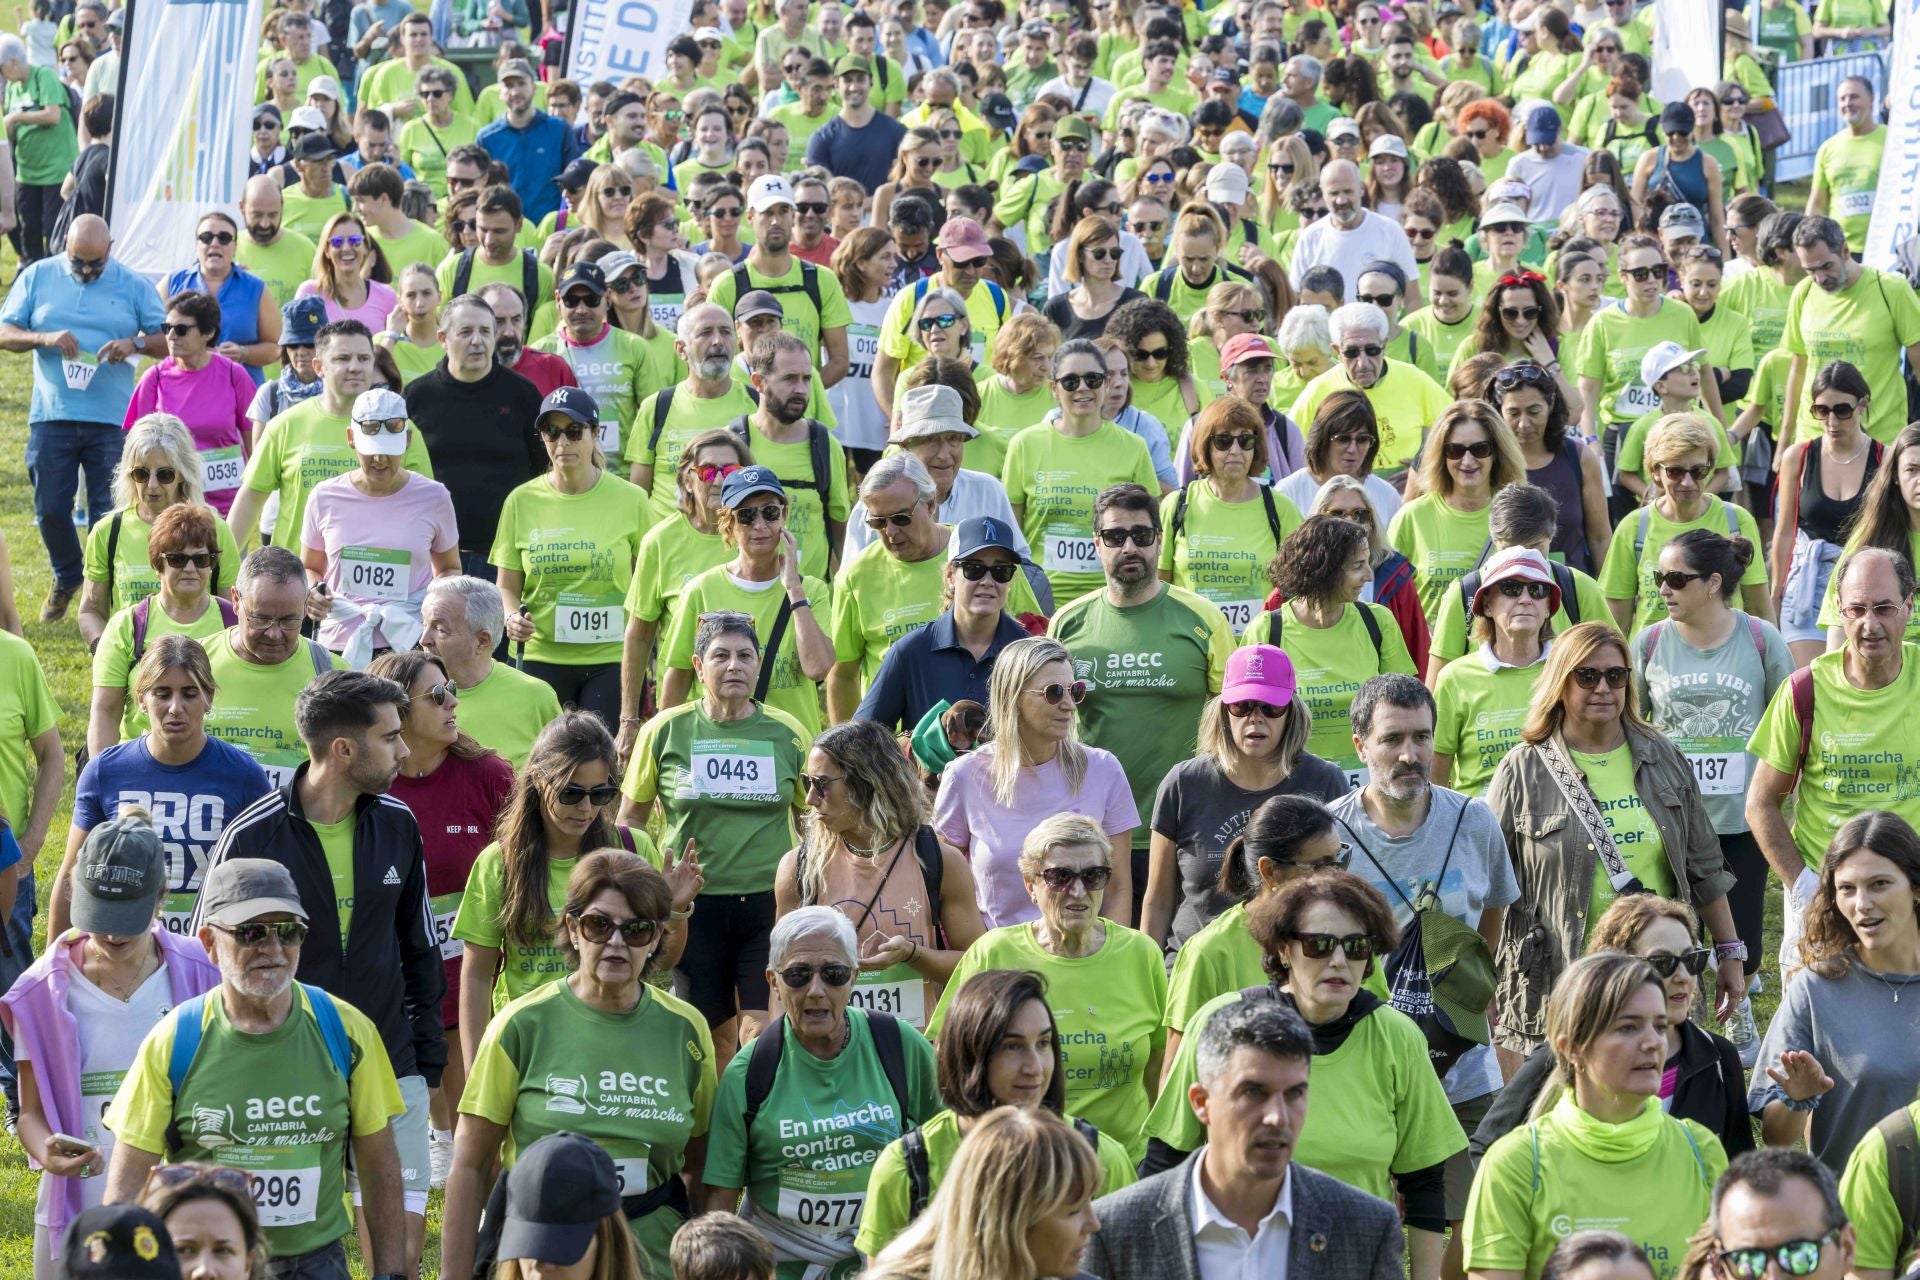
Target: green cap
{"points": [[930, 745], [853, 63], [1073, 127]]}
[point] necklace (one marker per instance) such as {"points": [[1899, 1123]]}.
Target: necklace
{"points": [[1865, 440], [1882, 979], [858, 852]]}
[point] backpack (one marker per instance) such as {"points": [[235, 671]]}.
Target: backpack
{"points": [[913, 1152], [1646, 516], [663, 405], [1562, 578], [1800, 689], [926, 851], [188, 1032], [1651, 637], [763, 1063], [144, 610], [809, 285], [921, 286], [529, 276], [1372, 624], [1161, 285], [1179, 522], [819, 457], [1903, 1176]]}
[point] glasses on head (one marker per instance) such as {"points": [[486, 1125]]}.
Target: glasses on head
{"points": [[383, 426], [291, 933], [1225, 440], [1675, 475], [710, 472], [1693, 960], [1590, 677], [1513, 589], [179, 330], [899, 520], [1358, 946], [597, 928], [1105, 253], [1141, 535], [215, 237], [1794, 1258], [1071, 382], [165, 475], [797, 976], [1062, 879], [1840, 411], [1520, 313], [974, 570], [573, 793], [1658, 271], [1241, 710], [1370, 351], [943, 323], [1523, 373], [771, 512], [1053, 693], [181, 559], [1885, 611]]}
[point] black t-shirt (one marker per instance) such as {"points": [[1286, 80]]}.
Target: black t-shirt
{"points": [[1072, 326], [481, 438]]}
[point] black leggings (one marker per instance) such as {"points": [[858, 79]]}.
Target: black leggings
{"points": [[1748, 897], [591, 687]]}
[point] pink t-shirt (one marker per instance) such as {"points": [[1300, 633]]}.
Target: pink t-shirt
{"points": [[968, 816], [372, 313], [379, 550], [213, 403]]}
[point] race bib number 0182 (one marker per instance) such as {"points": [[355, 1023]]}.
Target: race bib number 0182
{"points": [[375, 572]]}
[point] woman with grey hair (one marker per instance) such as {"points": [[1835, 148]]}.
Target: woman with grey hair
{"points": [[942, 326], [1306, 344], [801, 1117]]}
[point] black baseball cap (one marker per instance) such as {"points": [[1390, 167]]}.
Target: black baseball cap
{"points": [[557, 1193], [119, 1242], [583, 273], [314, 146], [571, 403]]}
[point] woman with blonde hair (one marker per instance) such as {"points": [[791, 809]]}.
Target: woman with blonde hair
{"points": [[1469, 455], [1232, 307], [350, 273], [1290, 167], [1017, 1204], [1093, 253], [1015, 392], [604, 207], [914, 166]]}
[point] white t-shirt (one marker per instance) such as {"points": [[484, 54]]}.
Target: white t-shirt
{"points": [[974, 493], [1099, 95], [862, 423], [1553, 181], [1301, 488], [1135, 265], [1348, 252]]}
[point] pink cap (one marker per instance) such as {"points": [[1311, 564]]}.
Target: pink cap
{"points": [[1259, 673], [963, 240], [1246, 346]]}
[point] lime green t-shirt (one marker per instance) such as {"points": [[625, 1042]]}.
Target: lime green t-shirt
{"points": [[672, 553], [1857, 757], [27, 710], [1443, 543], [1378, 1106], [336, 841], [1729, 335], [113, 662], [524, 966], [1612, 345], [1405, 403], [507, 710], [1003, 415], [687, 417], [881, 598], [1110, 1008], [1651, 1177], [1761, 296], [513, 272], [1450, 639], [1165, 401], [133, 576], [1442, 338], [1633, 557], [801, 318], [619, 370], [254, 708], [1052, 479], [577, 551], [807, 515], [413, 359], [421, 244], [1610, 777], [640, 1084], [1329, 666], [1632, 459], [285, 265], [307, 214], [816, 1137], [988, 307], [1480, 704], [1769, 388], [392, 81], [302, 447], [1222, 549], [1867, 324], [425, 148], [730, 786], [718, 591], [1867, 1193], [1830, 601], [1221, 957], [1847, 168]]}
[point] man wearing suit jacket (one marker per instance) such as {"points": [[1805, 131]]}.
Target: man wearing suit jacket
{"points": [[1239, 1205]]}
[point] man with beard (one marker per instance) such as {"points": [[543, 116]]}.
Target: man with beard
{"points": [[814, 305], [708, 394], [1152, 652], [282, 258], [1842, 310], [799, 450], [355, 857], [247, 1066], [1410, 839], [859, 142], [1352, 235], [477, 419], [811, 243], [510, 349]]}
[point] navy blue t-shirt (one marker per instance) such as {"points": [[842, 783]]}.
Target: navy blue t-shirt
{"points": [[865, 155], [191, 805]]}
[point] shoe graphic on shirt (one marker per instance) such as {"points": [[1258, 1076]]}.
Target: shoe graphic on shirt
{"points": [[393, 876]]}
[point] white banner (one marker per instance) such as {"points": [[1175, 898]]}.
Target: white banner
{"points": [[1686, 48], [613, 39], [183, 124], [1894, 212]]}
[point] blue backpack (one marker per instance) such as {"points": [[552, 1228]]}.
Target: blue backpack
{"points": [[188, 1032]]}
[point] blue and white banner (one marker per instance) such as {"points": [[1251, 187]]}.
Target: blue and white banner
{"points": [[1896, 204], [1686, 48], [614, 39]]}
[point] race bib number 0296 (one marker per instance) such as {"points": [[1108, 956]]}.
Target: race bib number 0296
{"points": [[285, 1197]]}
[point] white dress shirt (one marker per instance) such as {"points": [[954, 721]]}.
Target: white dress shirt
{"points": [[1223, 1248]]}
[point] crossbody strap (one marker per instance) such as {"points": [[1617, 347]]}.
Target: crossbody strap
{"points": [[1579, 798]]}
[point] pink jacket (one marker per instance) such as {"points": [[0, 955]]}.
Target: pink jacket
{"points": [[36, 1015]]}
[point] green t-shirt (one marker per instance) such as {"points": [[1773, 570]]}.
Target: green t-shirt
{"points": [[817, 1135], [1480, 704], [421, 244], [1175, 98], [1769, 387], [1405, 403], [1729, 335], [254, 708], [807, 516], [1442, 338], [412, 359], [881, 598], [43, 153], [618, 370], [27, 711], [1609, 776], [1867, 1193], [718, 591], [1611, 347], [1154, 663], [1632, 458], [987, 309], [307, 214], [507, 710], [1329, 666], [1633, 557], [801, 318], [1221, 957], [1867, 324], [1024, 204], [1003, 415], [687, 417], [1378, 1107], [1450, 626], [577, 551], [1857, 757], [640, 1084], [1223, 549], [336, 842], [1165, 401], [801, 126], [1110, 1008], [1847, 168], [513, 272], [132, 574], [1761, 296], [284, 265], [302, 447], [729, 786], [1443, 543], [1651, 1177], [1830, 601], [1780, 28], [392, 81], [524, 967], [271, 1105], [425, 148], [113, 662], [1052, 479], [890, 1193], [672, 553]]}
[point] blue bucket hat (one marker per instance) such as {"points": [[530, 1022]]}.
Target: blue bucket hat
{"points": [[300, 321]]}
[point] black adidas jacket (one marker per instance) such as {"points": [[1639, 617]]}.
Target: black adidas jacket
{"points": [[390, 968]]}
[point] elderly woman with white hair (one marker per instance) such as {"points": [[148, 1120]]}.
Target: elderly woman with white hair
{"points": [[1405, 400], [784, 1125], [1306, 344], [933, 423]]}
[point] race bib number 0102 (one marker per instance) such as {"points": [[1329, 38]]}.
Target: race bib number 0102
{"points": [[1070, 551]]}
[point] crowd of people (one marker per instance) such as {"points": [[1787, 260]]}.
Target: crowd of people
{"points": [[965, 641]]}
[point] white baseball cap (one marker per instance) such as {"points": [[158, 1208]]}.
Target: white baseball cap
{"points": [[1663, 358], [306, 118], [1227, 183], [379, 405], [769, 191]]}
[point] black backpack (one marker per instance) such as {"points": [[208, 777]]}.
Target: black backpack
{"points": [[663, 405], [819, 457], [913, 1150], [1179, 522], [529, 276], [1279, 615], [763, 1064], [1562, 578], [809, 285]]}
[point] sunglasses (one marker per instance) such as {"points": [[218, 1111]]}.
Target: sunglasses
{"points": [[179, 330], [383, 426], [1157, 179], [771, 512], [949, 135], [1071, 382], [346, 242], [266, 123], [1676, 474], [596, 928], [577, 301], [1348, 440], [433, 95], [179, 1175], [1103, 255], [290, 932], [1658, 271], [91, 266], [627, 283], [1507, 228], [708, 472], [1590, 677], [797, 976], [974, 570], [1694, 961], [1157, 355], [1254, 316], [1062, 879], [731, 212], [1857, 612], [460, 226], [215, 237], [1354, 353], [1070, 144], [1481, 449], [181, 559], [1419, 233], [899, 520], [1053, 693], [1479, 135], [821, 782], [442, 691], [1149, 227], [1840, 411], [1795, 1258], [165, 475], [810, 206], [573, 793], [1675, 579], [1384, 301], [1141, 535], [1241, 440], [1513, 589], [1519, 313], [1284, 170], [1241, 710], [929, 323], [1358, 946]]}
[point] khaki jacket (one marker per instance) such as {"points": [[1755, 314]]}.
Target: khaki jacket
{"points": [[1554, 859]]}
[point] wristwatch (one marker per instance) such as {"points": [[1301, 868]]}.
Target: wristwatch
{"points": [[1730, 951]]}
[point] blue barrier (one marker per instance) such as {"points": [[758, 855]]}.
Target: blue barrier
{"points": [[1805, 92]]}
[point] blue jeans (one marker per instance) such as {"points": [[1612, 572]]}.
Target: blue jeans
{"points": [[19, 927], [56, 450]]}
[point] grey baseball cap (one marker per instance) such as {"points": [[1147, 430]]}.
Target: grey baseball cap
{"points": [[118, 878], [243, 889]]}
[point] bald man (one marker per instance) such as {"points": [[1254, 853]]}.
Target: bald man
{"points": [[84, 317], [1352, 235], [282, 258]]}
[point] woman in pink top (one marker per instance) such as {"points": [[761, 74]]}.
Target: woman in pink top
{"points": [[203, 389], [1033, 768], [351, 275]]}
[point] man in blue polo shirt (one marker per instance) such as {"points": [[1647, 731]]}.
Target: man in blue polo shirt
{"points": [[952, 657], [862, 140], [533, 145]]}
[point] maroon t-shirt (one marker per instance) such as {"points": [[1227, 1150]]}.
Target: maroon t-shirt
{"points": [[456, 806]]}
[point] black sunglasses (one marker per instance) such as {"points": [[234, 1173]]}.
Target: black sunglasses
{"points": [[1590, 677], [181, 559], [797, 976], [1062, 879], [1514, 588], [215, 237], [1693, 960], [753, 515], [597, 928], [179, 330], [1358, 946], [1354, 353], [442, 691], [1794, 1257], [1141, 535], [1071, 382], [573, 793], [1675, 579], [974, 570], [290, 932], [1481, 449], [1241, 710]]}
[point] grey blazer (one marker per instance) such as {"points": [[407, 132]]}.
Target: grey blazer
{"points": [[1339, 1233]]}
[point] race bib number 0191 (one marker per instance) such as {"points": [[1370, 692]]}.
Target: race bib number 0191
{"points": [[285, 1197], [585, 619]]}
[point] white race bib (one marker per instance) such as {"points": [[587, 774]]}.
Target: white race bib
{"points": [[863, 350], [610, 438], [1070, 550], [278, 775], [733, 769], [221, 468], [1240, 613], [904, 1000], [825, 1202], [445, 908], [1854, 204], [1357, 776], [375, 573], [79, 371], [285, 1197], [1721, 773], [585, 619], [634, 1174], [1635, 398], [666, 314], [177, 915]]}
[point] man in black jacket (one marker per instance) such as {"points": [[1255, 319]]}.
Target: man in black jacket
{"points": [[477, 419], [355, 854]]}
